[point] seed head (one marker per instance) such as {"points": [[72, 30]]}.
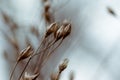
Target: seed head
{"points": [[63, 65], [48, 16], [110, 10], [27, 52], [59, 33], [67, 30], [52, 29], [47, 6]]}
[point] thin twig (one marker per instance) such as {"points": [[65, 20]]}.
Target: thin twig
{"points": [[13, 70]]}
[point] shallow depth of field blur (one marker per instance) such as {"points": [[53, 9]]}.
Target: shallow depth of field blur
{"points": [[93, 47]]}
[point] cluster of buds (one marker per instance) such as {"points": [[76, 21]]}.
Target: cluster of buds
{"points": [[51, 29], [27, 52], [59, 31]]}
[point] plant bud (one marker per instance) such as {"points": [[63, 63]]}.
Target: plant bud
{"points": [[52, 29], [110, 10], [47, 16], [59, 33], [67, 30], [47, 6], [25, 53], [63, 65]]}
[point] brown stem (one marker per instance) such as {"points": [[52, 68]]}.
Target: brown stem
{"points": [[35, 69], [40, 59], [48, 55], [24, 68], [13, 70], [31, 58]]}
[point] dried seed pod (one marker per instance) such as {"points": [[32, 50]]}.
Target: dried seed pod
{"points": [[5, 17], [25, 53], [63, 65], [59, 33], [48, 17], [52, 29], [110, 10], [67, 30], [27, 76], [47, 6]]}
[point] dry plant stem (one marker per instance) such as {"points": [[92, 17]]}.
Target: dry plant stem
{"points": [[13, 70], [46, 48], [24, 68], [58, 76], [41, 58], [48, 55], [40, 45], [23, 63], [31, 58]]}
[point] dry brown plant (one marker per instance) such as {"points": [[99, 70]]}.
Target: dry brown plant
{"points": [[30, 61]]}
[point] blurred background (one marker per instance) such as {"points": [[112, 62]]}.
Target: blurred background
{"points": [[92, 47]]}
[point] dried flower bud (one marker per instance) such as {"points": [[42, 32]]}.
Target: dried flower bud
{"points": [[59, 33], [47, 6], [48, 17], [30, 77], [67, 30], [52, 29], [25, 53], [5, 17], [110, 10], [63, 65]]}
